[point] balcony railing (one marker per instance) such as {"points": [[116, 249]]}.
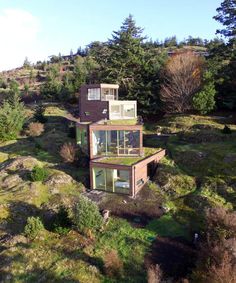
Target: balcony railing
{"points": [[108, 97]]}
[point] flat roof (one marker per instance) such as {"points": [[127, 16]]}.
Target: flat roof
{"points": [[130, 122], [109, 86], [129, 160]]}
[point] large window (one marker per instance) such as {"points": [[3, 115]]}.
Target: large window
{"points": [[99, 142], [129, 111], [111, 180], [115, 111], [109, 94], [110, 143], [122, 110], [82, 139], [94, 94]]}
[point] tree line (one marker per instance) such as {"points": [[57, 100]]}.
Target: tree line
{"points": [[158, 77]]}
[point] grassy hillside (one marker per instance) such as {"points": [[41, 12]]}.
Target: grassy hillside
{"points": [[156, 227]]}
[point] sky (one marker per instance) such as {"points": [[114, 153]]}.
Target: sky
{"points": [[39, 28]]}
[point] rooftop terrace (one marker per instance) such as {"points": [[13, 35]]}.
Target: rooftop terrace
{"points": [[129, 160], [125, 122]]}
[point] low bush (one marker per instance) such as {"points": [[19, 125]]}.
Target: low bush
{"points": [[154, 274], [216, 259], [39, 114], [62, 222], [72, 131], [113, 264], [86, 215], [35, 129], [33, 227], [39, 174], [68, 152], [61, 230], [226, 130]]}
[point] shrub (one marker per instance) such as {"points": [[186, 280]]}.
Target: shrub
{"points": [[72, 131], [216, 259], [12, 117], [204, 101], [39, 114], [61, 230], [220, 224], [112, 264], [226, 130], [154, 274], [35, 129], [33, 227], [68, 152], [39, 174], [87, 216], [62, 222]]}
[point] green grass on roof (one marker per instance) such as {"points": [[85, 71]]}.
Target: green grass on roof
{"points": [[148, 151], [122, 122]]}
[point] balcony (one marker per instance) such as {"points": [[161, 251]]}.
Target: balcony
{"points": [[122, 109], [108, 97], [109, 94]]}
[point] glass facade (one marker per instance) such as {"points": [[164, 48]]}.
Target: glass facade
{"points": [[82, 138], [109, 94], [110, 143], [111, 180], [122, 110]]}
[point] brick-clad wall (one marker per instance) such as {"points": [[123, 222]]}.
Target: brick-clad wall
{"points": [[94, 107], [140, 170], [137, 171]]}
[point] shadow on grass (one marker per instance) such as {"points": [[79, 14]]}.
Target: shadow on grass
{"points": [[38, 275], [175, 256]]}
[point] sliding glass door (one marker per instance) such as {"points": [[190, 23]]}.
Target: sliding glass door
{"points": [[113, 143], [111, 180]]}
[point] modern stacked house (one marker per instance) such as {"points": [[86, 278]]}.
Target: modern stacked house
{"points": [[110, 133]]}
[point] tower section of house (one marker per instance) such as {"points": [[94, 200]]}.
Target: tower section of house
{"points": [[100, 101], [111, 135]]}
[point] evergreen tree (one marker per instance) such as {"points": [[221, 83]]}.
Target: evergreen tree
{"points": [[125, 62], [12, 116], [39, 114], [227, 73], [227, 17], [134, 66], [204, 101], [67, 90], [79, 73], [53, 86]]}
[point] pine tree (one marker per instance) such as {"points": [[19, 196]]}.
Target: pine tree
{"points": [[125, 62], [12, 116], [204, 101], [227, 17]]}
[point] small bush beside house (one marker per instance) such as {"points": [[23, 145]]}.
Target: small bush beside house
{"points": [[86, 216]]}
